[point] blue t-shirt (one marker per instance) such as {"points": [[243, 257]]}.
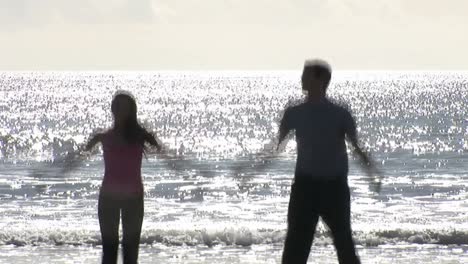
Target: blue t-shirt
{"points": [[321, 128]]}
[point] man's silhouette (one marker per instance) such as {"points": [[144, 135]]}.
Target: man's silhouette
{"points": [[320, 185]]}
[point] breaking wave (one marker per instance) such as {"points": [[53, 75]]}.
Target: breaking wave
{"points": [[230, 236]]}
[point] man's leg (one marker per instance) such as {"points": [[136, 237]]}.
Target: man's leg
{"points": [[132, 219], [337, 217], [109, 218], [302, 222]]}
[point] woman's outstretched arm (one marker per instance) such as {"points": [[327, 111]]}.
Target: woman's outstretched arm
{"points": [[153, 141], [75, 158], [71, 161], [170, 160]]}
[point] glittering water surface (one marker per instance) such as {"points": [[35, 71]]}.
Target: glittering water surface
{"points": [[415, 124]]}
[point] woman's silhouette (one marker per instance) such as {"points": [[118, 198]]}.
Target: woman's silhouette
{"points": [[121, 192]]}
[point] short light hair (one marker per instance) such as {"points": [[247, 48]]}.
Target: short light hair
{"points": [[317, 69]]}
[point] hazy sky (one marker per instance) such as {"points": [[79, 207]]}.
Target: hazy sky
{"points": [[232, 34]]}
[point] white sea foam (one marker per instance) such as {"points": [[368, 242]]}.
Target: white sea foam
{"points": [[241, 236]]}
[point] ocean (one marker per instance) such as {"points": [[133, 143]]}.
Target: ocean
{"points": [[223, 205]]}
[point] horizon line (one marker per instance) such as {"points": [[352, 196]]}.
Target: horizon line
{"points": [[226, 70]]}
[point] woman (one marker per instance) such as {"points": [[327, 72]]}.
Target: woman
{"points": [[122, 188]]}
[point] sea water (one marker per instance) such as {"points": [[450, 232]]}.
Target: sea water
{"points": [[225, 202]]}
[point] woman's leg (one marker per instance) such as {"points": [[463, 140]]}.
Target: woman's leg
{"points": [[109, 217], [132, 219]]}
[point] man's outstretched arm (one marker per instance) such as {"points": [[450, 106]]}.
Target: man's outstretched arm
{"points": [[284, 129], [366, 162]]}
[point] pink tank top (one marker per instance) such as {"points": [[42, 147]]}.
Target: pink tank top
{"points": [[122, 173]]}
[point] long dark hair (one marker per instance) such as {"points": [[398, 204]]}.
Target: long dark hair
{"points": [[133, 132]]}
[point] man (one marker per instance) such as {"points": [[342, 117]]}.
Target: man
{"points": [[320, 186]]}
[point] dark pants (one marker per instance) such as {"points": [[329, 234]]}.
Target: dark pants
{"points": [[310, 199], [109, 209]]}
